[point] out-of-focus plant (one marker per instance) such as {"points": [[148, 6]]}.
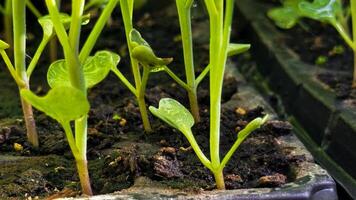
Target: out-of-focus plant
{"points": [[326, 11], [177, 116], [71, 77]]}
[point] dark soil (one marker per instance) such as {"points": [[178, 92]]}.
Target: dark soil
{"points": [[314, 41], [119, 151]]}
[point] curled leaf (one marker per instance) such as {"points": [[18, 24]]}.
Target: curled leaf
{"points": [[95, 69], [63, 104], [143, 52], [253, 125], [174, 114], [234, 49]]}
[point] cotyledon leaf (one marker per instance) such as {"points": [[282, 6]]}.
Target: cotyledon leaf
{"points": [[143, 52], [47, 24], [95, 69], [63, 104], [174, 114], [322, 10], [286, 16], [293, 10]]}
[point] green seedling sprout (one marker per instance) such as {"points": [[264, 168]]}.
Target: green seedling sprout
{"points": [[327, 11], [177, 116], [184, 13], [20, 74], [71, 78], [141, 54]]}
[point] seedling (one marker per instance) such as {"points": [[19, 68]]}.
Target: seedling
{"points": [[71, 77], [141, 54], [177, 116], [326, 11]]}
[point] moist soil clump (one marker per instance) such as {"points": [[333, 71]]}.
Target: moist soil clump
{"points": [[119, 151]]}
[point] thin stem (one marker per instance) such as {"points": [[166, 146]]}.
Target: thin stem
{"points": [[184, 14], [231, 152], [344, 35], [203, 159], [70, 138], [76, 24], [127, 11], [33, 9], [127, 17], [125, 81], [353, 16], [94, 34], [141, 100], [11, 69], [19, 22], [53, 44], [8, 24], [202, 75], [176, 78], [37, 56]]}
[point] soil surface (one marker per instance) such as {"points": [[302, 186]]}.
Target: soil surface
{"points": [[321, 45], [119, 151]]}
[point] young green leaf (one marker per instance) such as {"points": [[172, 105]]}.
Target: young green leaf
{"points": [[287, 16], [95, 68], [234, 49], [174, 114], [322, 10], [250, 127], [47, 24], [146, 56], [293, 10], [63, 104], [4, 45], [143, 52]]}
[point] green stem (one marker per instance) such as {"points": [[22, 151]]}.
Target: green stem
{"points": [[53, 44], [94, 34], [33, 9], [141, 100], [184, 13], [19, 22], [176, 78], [353, 16], [202, 75], [219, 180], [125, 81], [11, 69], [8, 24], [126, 11], [216, 26], [76, 24], [203, 159], [81, 161], [37, 56], [340, 29]]}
